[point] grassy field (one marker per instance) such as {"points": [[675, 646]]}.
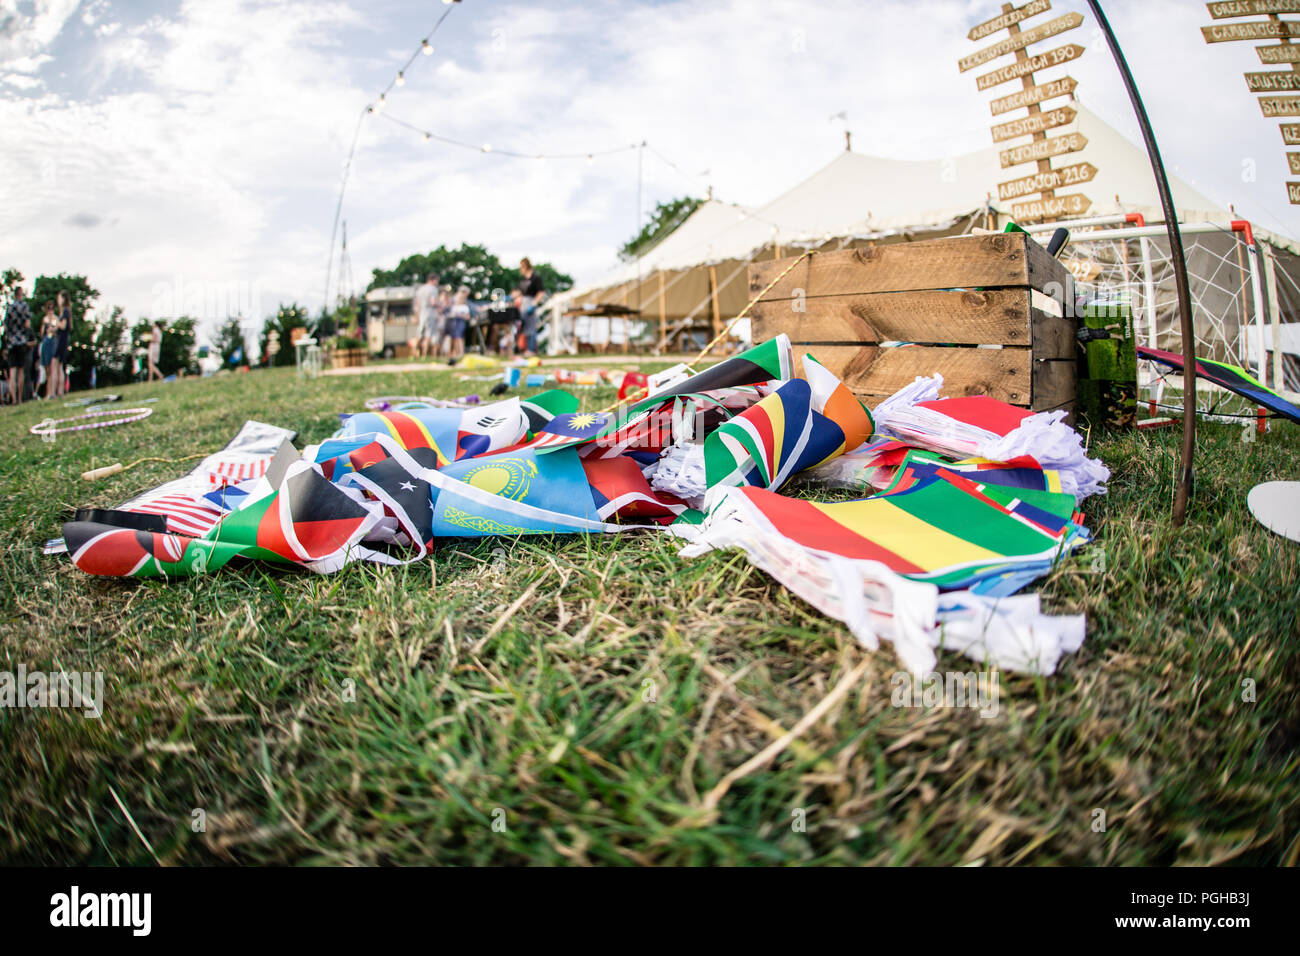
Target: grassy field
{"points": [[589, 725]]}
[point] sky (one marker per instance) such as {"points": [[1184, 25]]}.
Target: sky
{"points": [[188, 157]]}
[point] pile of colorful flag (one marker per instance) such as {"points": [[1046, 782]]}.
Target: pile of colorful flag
{"points": [[977, 499]]}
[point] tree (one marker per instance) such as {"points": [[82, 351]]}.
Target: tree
{"points": [[110, 352], [230, 344], [286, 319], [176, 352], [663, 221], [471, 266], [10, 280]]}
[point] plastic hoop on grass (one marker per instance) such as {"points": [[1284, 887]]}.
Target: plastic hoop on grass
{"points": [[116, 416], [386, 402]]}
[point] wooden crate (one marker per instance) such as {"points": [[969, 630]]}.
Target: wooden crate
{"points": [[946, 295]]}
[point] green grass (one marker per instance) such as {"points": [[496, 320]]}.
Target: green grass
{"points": [[593, 722]]}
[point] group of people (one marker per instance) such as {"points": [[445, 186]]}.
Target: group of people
{"points": [[445, 319], [33, 359]]}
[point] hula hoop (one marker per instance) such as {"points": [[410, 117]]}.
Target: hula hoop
{"points": [[384, 402], [124, 415]]}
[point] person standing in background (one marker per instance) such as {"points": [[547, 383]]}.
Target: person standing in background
{"points": [[49, 347], [533, 292], [17, 341], [155, 351], [458, 320], [61, 347], [426, 316]]}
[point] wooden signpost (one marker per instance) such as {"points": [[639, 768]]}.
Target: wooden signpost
{"points": [[1037, 121], [1267, 81]]}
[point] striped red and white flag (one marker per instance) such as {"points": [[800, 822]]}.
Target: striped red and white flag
{"points": [[232, 472], [185, 515]]}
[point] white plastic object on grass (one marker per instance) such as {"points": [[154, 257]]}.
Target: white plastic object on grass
{"points": [[1276, 505]]}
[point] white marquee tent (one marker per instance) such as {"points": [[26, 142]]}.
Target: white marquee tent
{"points": [[699, 271]]}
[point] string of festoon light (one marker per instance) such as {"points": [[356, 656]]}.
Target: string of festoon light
{"points": [[589, 155], [425, 49], [379, 108]]}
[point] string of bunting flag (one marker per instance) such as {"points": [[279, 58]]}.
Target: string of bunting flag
{"points": [[1267, 81], [1036, 121]]}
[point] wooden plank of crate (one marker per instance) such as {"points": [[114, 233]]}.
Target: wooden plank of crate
{"points": [[1048, 275], [1053, 336], [874, 373], [998, 316], [965, 262], [1054, 384]]}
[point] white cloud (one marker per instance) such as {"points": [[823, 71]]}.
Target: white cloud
{"points": [[209, 142]]}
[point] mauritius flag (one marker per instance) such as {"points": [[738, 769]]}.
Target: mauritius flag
{"points": [[948, 531]]}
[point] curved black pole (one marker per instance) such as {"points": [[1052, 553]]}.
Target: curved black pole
{"points": [[1184, 491]]}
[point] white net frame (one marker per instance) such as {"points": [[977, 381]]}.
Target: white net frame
{"points": [[1236, 304]]}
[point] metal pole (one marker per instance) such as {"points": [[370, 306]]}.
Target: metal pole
{"points": [[640, 151], [1184, 490]]}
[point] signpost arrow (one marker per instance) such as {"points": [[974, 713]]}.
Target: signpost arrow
{"points": [[1042, 149], [1031, 9], [1262, 30], [1250, 8], [1034, 123], [1014, 71], [1050, 180], [1036, 94], [1290, 133], [1283, 53], [1293, 193], [1018, 41], [1273, 81], [1074, 204], [1280, 105]]}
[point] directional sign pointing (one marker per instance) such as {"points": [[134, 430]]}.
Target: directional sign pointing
{"points": [[1293, 193], [1036, 94], [1072, 205], [1263, 30], [1282, 53], [1031, 9], [1019, 41], [1013, 71], [1043, 149], [1293, 160], [1280, 105], [1034, 123], [1290, 133], [1053, 179], [1273, 81], [1250, 8]]}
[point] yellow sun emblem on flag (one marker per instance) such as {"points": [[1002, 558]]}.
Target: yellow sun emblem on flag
{"points": [[582, 420], [509, 477]]}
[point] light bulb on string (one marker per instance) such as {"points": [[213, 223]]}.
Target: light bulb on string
{"points": [[380, 104], [426, 137], [590, 159], [426, 48], [486, 147], [401, 78]]}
